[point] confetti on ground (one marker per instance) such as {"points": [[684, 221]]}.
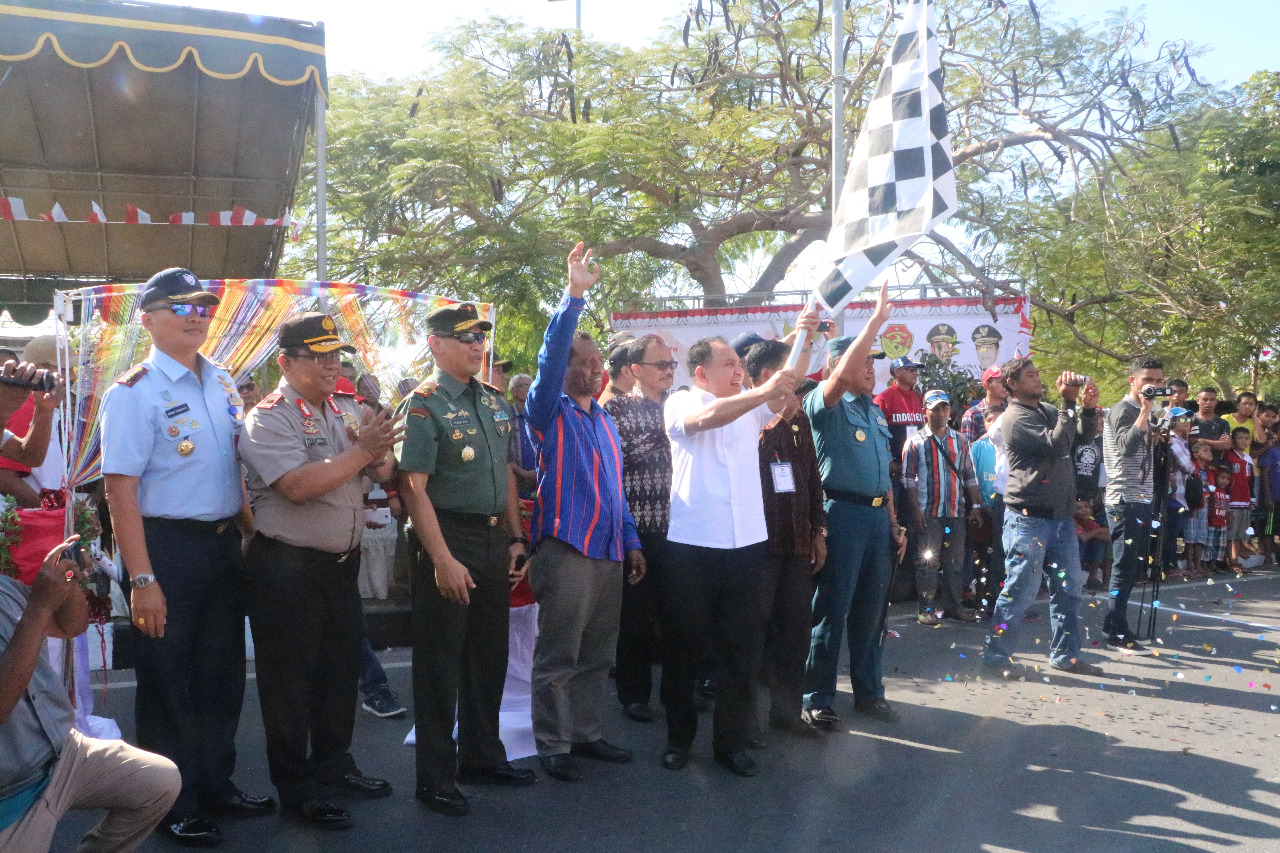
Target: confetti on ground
{"points": [[1207, 677], [1238, 669], [1178, 674]]}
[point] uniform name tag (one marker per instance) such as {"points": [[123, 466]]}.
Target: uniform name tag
{"points": [[784, 479], [180, 409], [315, 441]]}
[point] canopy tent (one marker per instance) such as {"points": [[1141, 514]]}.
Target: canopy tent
{"points": [[146, 107], [388, 327]]}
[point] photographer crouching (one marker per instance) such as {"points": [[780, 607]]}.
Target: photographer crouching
{"points": [[1128, 440]]}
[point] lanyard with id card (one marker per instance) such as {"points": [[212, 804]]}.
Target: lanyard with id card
{"points": [[784, 479]]}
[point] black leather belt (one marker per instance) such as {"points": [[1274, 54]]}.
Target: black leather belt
{"points": [[192, 525], [468, 519], [1032, 511], [850, 497], [315, 553]]}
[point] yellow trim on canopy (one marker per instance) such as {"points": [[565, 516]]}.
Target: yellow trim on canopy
{"points": [[130, 23], [253, 57]]}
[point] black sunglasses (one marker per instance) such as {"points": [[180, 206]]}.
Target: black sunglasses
{"points": [[661, 365], [184, 310], [467, 337]]}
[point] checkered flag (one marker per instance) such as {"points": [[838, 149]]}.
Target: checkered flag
{"points": [[899, 185]]}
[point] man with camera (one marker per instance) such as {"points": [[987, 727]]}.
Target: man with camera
{"points": [[1040, 500], [1128, 441]]}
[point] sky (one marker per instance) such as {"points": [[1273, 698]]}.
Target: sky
{"points": [[391, 38]]}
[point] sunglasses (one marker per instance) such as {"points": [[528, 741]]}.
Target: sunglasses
{"points": [[204, 311], [467, 337], [321, 357], [661, 365]]}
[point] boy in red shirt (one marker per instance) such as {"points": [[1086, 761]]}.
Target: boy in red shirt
{"points": [[1240, 492], [1218, 502]]}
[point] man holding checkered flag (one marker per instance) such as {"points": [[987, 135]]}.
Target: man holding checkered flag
{"points": [[899, 187]]}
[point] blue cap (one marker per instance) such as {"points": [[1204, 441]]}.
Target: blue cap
{"points": [[936, 398], [177, 286], [837, 346], [905, 361], [744, 342], [1179, 412]]}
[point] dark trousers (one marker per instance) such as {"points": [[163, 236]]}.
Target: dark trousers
{"points": [[373, 678], [991, 559], [460, 656], [638, 629], [786, 610], [191, 680], [1130, 545], [711, 601], [304, 608]]}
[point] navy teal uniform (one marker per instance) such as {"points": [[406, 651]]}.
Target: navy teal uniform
{"points": [[852, 440], [177, 434], [458, 435]]}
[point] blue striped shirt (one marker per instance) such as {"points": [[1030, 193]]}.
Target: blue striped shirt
{"points": [[580, 497]]}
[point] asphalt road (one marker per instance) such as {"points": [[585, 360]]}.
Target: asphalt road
{"points": [[1176, 751]]}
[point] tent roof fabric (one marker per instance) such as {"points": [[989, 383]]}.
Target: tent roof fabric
{"points": [[166, 108], [159, 38]]}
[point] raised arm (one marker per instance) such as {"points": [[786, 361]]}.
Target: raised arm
{"points": [[855, 357]]}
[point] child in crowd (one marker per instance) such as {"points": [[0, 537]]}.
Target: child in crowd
{"points": [[1239, 522], [1093, 539], [1197, 533], [1268, 489], [1218, 502]]}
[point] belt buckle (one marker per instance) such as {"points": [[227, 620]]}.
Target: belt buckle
{"points": [[222, 527], [877, 501], [493, 521]]}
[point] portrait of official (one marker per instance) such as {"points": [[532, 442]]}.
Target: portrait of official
{"points": [[942, 341], [986, 343]]}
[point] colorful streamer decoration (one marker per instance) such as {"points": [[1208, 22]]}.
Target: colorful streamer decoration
{"points": [[387, 326]]}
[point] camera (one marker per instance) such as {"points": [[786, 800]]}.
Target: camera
{"points": [[1151, 392], [826, 325], [43, 381]]}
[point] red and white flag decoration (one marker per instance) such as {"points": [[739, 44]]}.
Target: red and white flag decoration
{"points": [[12, 208], [187, 218], [55, 215], [97, 215], [133, 216]]}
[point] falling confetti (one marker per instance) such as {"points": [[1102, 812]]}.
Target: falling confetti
{"points": [[1238, 669]]}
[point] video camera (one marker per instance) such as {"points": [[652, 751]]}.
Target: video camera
{"points": [[1151, 392]]}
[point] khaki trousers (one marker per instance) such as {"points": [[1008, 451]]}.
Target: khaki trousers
{"points": [[135, 787]]}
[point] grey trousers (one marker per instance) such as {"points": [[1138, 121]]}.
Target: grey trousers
{"points": [[579, 600], [941, 549], [135, 787]]}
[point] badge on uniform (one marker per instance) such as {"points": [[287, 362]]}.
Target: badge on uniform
{"points": [[468, 454], [490, 402], [309, 427], [185, 447], [860, 435], [350, 420], [173, 430], [457, 435]]}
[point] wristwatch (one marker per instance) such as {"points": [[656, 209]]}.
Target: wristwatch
{"points": [[139, 581]]}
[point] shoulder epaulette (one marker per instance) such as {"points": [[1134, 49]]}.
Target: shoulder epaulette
{"points": [[341, 393], [492, 388], [269, 401], [418, 412], [218, 364], [132, 376], [427, 388]]}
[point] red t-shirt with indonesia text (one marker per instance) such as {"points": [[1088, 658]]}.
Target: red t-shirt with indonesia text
{"points": [[905, 413], [1241, 478]]}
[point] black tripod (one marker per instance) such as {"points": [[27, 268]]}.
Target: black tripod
{"points": [[1153, 572]]}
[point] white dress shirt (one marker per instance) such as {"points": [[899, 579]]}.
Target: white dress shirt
{"points": [[716, 498]]}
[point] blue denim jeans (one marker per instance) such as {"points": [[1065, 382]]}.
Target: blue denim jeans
{"points": [[1036, 548], [1130, 545], [850, 599]]}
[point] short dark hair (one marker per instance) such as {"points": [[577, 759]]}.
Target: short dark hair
{"points": [[1179, 383], [700, 352], [618, 358], [638, 347], [1244, 430], [579, 335], [1244, 394], [1145, 362], [1208, 389], [1011, 368], [765, 355], [1269, 407]]}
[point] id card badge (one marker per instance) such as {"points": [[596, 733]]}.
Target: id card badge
{"points": [[783, 479]]}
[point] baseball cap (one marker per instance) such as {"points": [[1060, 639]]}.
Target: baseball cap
{"points": [[992, 372], [837, 346], [177, 286], [311, 331], [456, 319], [936, 398], [744, 342], [905, 361]]}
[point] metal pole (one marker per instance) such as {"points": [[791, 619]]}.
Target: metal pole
{"points": [[322, 219], [579, 17], [837, 102]]}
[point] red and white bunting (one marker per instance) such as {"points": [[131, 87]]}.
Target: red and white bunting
{"points": [[12, 208], [55, 215], [133, 216]]}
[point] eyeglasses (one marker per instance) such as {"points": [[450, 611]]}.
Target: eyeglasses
{"points": [[321, 357], [204, 311], [467, 337], [661, 365]]}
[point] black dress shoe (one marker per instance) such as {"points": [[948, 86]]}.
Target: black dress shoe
{"points": [[737, 761], [820, 718], [369, 787], [793, 726], [675, 758], [241, 804], [191, 831], [561, 766], [321, 814], [500, 774], [446, 801], [877, 710], [638, 711], [601, 750]]}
